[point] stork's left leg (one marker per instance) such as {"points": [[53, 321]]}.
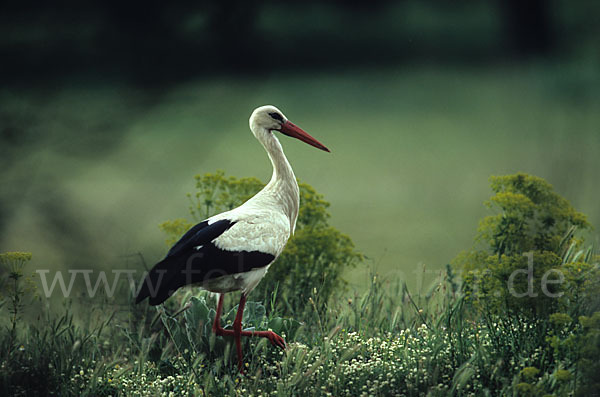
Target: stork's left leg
{"points": [[275, 339]]}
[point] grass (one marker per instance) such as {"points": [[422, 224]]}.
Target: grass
{"points": [[383, 342]]}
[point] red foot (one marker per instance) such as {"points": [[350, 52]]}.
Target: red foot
{"points": [[275, 339]]}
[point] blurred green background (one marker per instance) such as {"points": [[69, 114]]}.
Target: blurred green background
{"points": [[108, 110]]}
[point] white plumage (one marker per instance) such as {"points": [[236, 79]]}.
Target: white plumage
{"points": [[264, 231], [233, 250]]}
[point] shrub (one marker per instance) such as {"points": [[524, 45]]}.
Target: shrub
{"points": [[528, 281], [11, 265], [314, 259], [532, 217], [525, 265]]}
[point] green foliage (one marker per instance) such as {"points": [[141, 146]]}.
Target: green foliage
{"points": [[588, 345], [13, 290], [175, 229], [192, 334], [532, 217], [532, 270], [48, 355], [455, 339], [529, 373], [527, 266], [311, 266], [56, 356], [380, 342], [217, 193], [356, 348]]}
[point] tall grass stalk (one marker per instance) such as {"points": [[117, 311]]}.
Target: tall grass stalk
{"points": [[383, 342]]}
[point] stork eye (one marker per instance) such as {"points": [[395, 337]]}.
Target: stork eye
{"points": [[276, 116]]}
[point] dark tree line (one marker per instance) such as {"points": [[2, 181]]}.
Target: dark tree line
{"points": [[187, 37]]}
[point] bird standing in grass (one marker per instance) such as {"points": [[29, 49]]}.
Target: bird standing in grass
{"points": [[233, 250]]}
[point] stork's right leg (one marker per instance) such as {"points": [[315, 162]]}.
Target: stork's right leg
{"points": [[237, 332]]}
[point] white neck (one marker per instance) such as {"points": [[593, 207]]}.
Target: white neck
{"points": [[282, 190]]}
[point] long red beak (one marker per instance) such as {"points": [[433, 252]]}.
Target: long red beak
{"points": [[290, 129]]}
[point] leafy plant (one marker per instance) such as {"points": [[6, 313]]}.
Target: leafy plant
{"points": [[311, 266], [530, 278], [525, 266], [452, 340], [47, 355], [532, 217], [11, 264]]}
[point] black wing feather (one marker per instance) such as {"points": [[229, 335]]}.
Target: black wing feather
{"points": [[185, 264], [200, 234]]}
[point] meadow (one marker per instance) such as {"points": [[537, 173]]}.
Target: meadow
{"points": [[471, 333], [95, 166], [445, 247]]}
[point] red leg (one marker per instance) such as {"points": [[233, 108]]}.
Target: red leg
{"points": [[275, 339], [217, 323], [237, 332]]}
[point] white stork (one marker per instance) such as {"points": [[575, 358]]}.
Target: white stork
{"points": [[233, 250]]}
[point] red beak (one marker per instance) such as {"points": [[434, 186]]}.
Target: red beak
{"points": [[290, 129]]}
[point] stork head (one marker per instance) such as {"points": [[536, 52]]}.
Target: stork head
{"points": [[268, 118]]}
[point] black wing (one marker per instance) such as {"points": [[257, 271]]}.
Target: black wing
{"points": [[200, 234], [194, 259]]}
